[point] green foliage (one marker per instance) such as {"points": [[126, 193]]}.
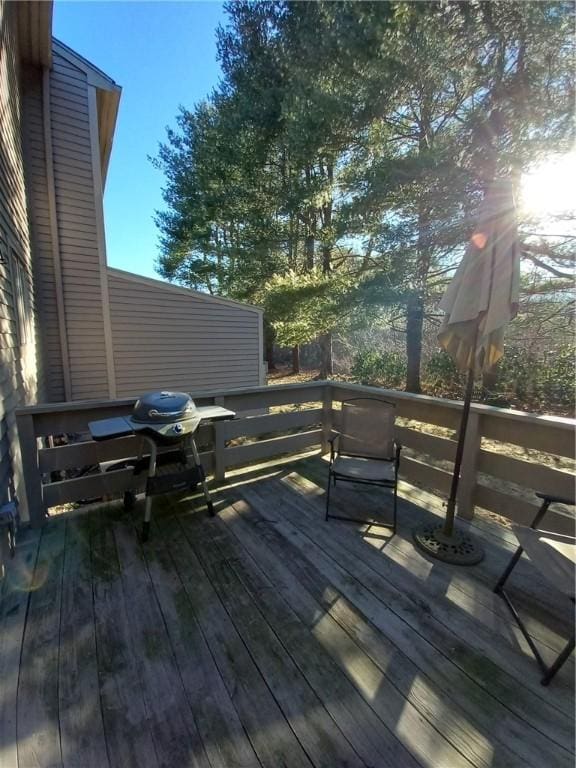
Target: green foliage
{"points": [[524, 379], [302, 307], [441, 377], [387, 369], [559, 379]]}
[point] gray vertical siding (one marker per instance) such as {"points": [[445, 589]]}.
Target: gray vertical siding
{"points": [[18, 383], [77, 229], [50, 373], [168, 337]]}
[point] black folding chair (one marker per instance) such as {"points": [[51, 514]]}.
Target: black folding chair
{"points": [[554, 556], [365, 451]]}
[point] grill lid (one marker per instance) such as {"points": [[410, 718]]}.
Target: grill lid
{"points": [[164, 408]]}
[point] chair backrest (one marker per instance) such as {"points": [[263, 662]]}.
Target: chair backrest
{"points": [[367, 428]]}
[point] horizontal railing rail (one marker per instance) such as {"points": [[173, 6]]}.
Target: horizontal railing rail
{"points": [[284, 419]]}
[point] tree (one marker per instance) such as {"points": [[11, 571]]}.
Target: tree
{"points": [[338, 166], [460, 116], [274, 200]]}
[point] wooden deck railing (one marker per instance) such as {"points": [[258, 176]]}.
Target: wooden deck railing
{"points": [[490, 478]]}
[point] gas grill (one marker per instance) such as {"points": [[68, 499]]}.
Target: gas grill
{"points": [[164, 419]]}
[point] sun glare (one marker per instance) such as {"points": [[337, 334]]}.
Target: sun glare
{"points": [[548, 189]]}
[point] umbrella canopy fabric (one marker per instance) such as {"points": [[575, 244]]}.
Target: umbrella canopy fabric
{"points": [[482, 298]]}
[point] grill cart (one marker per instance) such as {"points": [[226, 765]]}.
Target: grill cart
{"points": [[164, 419]]}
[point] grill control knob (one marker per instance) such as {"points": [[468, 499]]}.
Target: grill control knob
{"points": [[178, 428]]}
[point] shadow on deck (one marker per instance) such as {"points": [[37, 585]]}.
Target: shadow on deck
{"points": [[266, 636]]}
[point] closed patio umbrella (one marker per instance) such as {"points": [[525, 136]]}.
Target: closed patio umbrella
{"points": [[480, 301]]}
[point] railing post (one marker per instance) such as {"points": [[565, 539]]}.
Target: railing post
{"points": [[219, 446], [468, 471], [326, 417], [30, 492]]}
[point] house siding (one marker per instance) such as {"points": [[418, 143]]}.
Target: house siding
{"points": [[18, 379], [77, 230], [50, 370], [74, 344], [168, 338]]}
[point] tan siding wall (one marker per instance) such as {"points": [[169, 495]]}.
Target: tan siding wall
{"points": [[165, 339], [18, 383], [50, 360], [76, 213]]}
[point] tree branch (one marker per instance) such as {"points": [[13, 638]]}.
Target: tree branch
{"points": [[547, 267]]}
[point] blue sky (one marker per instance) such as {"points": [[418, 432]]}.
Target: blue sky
{"points": [[163, 54]]}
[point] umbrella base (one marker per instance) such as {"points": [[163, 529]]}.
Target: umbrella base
{"points": [[458, 549]]}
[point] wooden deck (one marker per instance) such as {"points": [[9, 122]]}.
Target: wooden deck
{"points": [[267, 637]]}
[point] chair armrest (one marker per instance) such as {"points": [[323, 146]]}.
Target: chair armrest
{"points": [[553, 499]]}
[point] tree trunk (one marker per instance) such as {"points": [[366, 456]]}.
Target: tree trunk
{"points": [[310, 239], [296, 359], [327, 224], [270, 352], [489, 382], [326, 367], [414, 325], [416, 300], [309, 250], [326, 363], [310, 236]]}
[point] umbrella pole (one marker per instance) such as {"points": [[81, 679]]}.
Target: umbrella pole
{"points": [[451, 507], [444, 542]]}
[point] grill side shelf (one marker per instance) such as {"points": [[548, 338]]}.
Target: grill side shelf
{"points": [[108, 429]]}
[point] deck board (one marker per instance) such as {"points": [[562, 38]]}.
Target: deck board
{"points": [[319, 735], [333, 664], [367, 656], [124, 711], [267, 637], [38, 727], [225, 740], [14, 593], [540, 598], [544, 611], [170, 718], [474, 647], [78, 689], [411, 627], [271, 736], [479, 625]]}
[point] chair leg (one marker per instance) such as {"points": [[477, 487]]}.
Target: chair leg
{"points": [[510, 567], [326, 516], [518, 554], [540, 514], [559, 661], [395, 505], [549, 672]]}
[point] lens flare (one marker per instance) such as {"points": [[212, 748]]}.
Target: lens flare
{"points": [[479, 240], [548, 188]]}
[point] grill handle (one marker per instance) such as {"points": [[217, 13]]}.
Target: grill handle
{"points": [[153, 413]]}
